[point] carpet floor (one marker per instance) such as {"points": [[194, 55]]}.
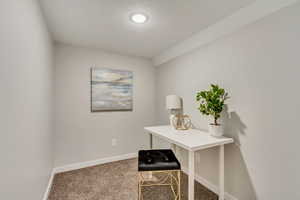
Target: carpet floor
{"points": [[115, 181]]}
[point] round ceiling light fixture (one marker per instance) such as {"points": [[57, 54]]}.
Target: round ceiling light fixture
{"points": [[138, 18]]}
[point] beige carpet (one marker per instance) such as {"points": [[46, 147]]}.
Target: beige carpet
{"points": [[114, 181]]}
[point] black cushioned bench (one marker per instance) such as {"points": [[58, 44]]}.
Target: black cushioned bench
{"points": [[164, 164]]}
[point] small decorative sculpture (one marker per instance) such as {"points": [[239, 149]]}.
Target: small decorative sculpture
{"points": [[181, 122]]}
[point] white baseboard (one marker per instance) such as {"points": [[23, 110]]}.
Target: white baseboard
{"points": [[46, 194], [209, 185], [91, 163]]}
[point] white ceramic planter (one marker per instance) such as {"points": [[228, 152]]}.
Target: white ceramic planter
{"points": [[216, 130]]}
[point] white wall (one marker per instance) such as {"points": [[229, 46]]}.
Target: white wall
{"points": [[26, 105], [259, 67], [84, 136]]}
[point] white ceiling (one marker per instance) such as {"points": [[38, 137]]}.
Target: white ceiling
{"points": [[105, 24]]}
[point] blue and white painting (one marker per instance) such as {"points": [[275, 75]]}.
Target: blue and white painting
{"points": [[111, 89]]}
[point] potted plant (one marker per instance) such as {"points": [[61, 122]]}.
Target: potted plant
{"points": [[212, 103]]}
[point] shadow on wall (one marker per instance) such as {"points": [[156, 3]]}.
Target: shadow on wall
{"points": [[237, 175], [233, 125]]}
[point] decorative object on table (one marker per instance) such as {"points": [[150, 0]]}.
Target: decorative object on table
{"points": [[212, 103], [182, 122], [111, 90], [177, 120]]}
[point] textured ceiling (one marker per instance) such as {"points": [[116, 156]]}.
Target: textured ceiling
{"points": [[105, 24]]}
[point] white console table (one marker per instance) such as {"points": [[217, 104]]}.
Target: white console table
{"points": [[192, 140]]}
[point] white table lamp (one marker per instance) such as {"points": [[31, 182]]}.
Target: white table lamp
{"points": [[173, 103]]}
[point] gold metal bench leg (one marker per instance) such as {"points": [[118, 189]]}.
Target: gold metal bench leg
{"points": [[139, 187], [179, 184], [172, 178]]}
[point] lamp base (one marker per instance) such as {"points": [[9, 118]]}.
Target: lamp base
{"points": [[171, 118]]}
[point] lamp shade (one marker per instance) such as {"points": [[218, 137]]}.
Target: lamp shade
{"points": [[173, 102]]}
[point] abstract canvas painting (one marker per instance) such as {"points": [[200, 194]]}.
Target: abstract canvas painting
{"points": [[111, 90]]}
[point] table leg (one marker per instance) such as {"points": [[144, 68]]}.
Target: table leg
{"points": [[221, 174], [151, 141], [191, 174]]}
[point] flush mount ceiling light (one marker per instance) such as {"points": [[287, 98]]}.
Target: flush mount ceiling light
{"points": [[138, 18]]}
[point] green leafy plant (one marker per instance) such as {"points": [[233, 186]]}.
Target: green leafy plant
{"points": [[212, 102]]}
